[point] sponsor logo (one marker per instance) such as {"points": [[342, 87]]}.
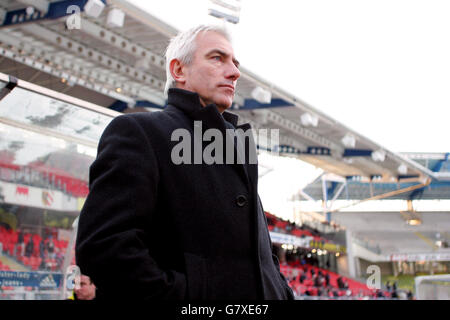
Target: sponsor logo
{"points": [[48, 282], [47, 198], [22, 191]]}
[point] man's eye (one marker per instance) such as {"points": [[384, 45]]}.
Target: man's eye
{"points": [[217, 58]]}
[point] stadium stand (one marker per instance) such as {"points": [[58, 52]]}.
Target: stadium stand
{"points": [[38, 174], [35, 260], [307, 280]]}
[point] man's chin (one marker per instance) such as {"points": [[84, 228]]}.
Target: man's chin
{"points": [[224, 104]]}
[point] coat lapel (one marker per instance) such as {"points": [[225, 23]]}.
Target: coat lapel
{"points": [[250, 168]]}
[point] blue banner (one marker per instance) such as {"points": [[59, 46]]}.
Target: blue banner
{"points": [[42, 280]]}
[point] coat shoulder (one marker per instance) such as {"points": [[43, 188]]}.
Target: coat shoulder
{"points": [[163, 120]]}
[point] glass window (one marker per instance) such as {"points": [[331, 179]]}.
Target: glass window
{"points": [[47, 143]]}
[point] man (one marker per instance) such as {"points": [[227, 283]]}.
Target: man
{"points": [[86, 290], [155, 229]]}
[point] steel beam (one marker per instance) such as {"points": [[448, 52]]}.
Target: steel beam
{"points": [[116, 40], [93, 55], [367, 162], [84, 75], [58, 73], [301, 131]]}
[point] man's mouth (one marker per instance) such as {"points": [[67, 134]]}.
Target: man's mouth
{"points": [[227, 86]]}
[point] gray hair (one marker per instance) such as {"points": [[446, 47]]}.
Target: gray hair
{"points": [[182, 47]]}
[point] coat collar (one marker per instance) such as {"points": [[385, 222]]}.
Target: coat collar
{"points": [[189, 102]]}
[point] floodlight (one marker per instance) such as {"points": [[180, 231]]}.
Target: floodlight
{"points": [[349, 140], [41, 5], [414, 222], [94, 8], [261, 95], [30, 11], [402, 169], [116, 18], [379, 155], [309, 119]]}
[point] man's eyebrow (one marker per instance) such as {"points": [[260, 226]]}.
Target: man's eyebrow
{"points": [[224, 54]]}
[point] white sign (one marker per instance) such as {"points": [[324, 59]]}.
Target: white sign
{"points": [[442, 256], [282, 238], [37, 197]]}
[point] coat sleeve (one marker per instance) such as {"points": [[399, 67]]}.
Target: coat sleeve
{"points": [[289, 291], [111, 240]]}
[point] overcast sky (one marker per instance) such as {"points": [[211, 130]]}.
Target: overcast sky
{"points": [[382, 67]]}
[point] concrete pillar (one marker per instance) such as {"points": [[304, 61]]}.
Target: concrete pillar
{"points": [[358, 268], [350, 257], [394, 267]]}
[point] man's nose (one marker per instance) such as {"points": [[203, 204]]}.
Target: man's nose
{"points": [[233, 72]]}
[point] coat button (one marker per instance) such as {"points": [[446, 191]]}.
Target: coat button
{"points": [[241, 200]]}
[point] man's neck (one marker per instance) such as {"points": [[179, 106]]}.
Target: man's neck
{"points": [[205, 103]]}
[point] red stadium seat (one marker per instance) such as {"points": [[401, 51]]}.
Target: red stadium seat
{"points": [[26, 260]]}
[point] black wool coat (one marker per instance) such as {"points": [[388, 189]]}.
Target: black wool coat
{"points": [[152, 229]]}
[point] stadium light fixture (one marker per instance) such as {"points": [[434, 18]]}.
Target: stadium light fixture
{"points": [[402, 169], [261, 95], [115, 18], [30, 11], [308, 119], [227, 10], [41, 5], [414, 222], [94, 8], [379, 155], [349, 140], [411, 217]]}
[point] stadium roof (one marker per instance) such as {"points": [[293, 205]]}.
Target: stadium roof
{"points": [[358, 189]]}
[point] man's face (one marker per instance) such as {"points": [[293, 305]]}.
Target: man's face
{"points": [[86, 290], [213, 72]]}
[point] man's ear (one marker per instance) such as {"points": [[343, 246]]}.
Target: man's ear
{"points": [[177, 71]]}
